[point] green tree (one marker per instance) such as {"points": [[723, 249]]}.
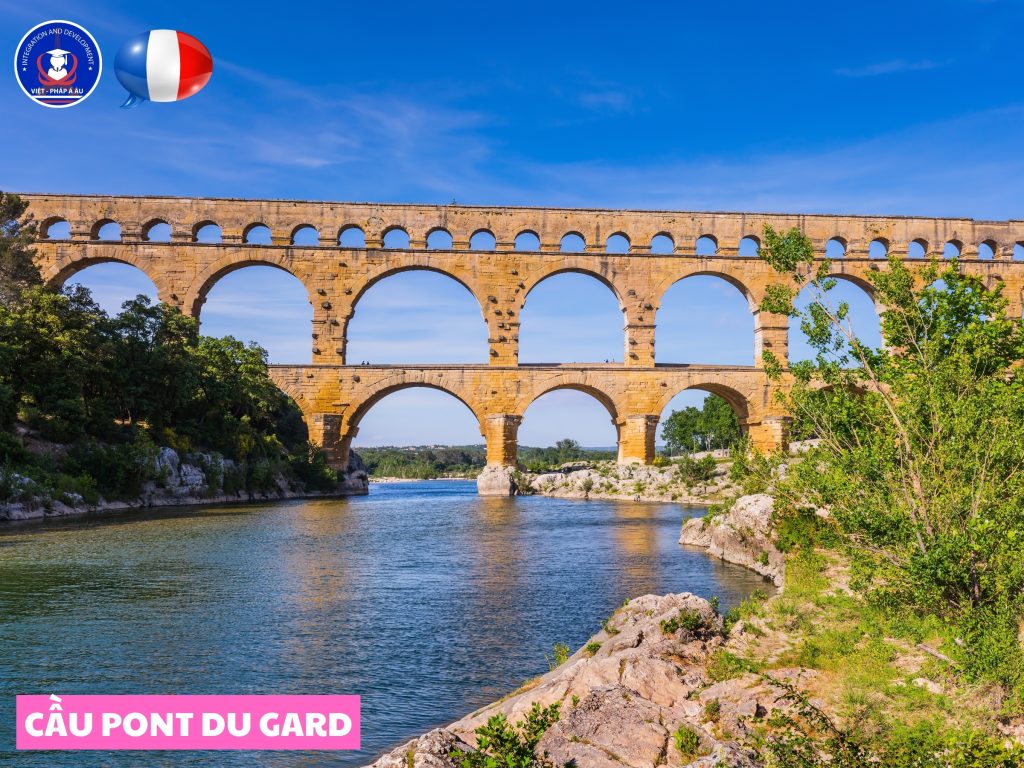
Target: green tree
{"points": [[712, 426], [17, 234], [718, 423], [154, 363], [236, 405], [56, 353], [920, 457], [680, 431], [568, 450], [696, 471]]}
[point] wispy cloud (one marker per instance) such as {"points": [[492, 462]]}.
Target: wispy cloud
{"points": [[891, 67], [606, 100], [967, 165]]}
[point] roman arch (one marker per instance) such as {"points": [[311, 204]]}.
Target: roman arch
{"points": [[648, 253]]}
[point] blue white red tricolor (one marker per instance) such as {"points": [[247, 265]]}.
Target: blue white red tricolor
{"points": [[162, 65]]}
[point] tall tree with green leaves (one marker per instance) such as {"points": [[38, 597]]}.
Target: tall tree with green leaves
{"points": [[714, 425], [17, 234], [568, 450], [920, 459]]}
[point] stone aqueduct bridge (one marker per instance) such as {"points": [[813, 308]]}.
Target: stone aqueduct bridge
{"points": [[334, 396]]}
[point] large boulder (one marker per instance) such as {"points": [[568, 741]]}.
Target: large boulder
{"points": [[612, 720], [354, 479], [431, 750], [742, 535], [497, 481]]}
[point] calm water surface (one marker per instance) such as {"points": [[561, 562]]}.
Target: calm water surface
{"points": [[423, 598]]}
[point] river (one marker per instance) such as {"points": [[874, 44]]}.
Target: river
{"points": [[423, 598]]}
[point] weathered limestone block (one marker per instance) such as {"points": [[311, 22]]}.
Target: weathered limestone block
{"points": [[742, 535], [611, 727], [431, 750], [497, 481], [354, 480]]}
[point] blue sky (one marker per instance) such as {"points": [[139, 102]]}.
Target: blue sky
{"points": [[894, 108]]}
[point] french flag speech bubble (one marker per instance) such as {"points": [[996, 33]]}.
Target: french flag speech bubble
{"points": [[162, 65]]}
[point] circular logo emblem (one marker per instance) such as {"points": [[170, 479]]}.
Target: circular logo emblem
{"points": [[58, 64]]}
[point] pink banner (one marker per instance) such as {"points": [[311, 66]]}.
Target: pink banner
{"points": [[188, 722]]}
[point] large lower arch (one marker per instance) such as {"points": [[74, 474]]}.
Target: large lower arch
{"points": [[418, 315], [706, 318], [699, 398], [353, 417], [575, 413], [740, 402], [602, 397]]}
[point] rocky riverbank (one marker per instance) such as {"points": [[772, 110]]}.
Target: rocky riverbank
{"points": [[625, 695], [181, 483], [670, 681], [742, 534], [650, 688], [609, 480]]}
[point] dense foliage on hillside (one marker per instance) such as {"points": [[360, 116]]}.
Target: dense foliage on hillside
{"points": [[110, 390], [921, 459]]}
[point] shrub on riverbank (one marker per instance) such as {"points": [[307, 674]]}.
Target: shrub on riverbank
{"points": [[502, 745], [918, 455]]}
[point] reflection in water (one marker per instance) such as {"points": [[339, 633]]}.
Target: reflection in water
{"points": [[637, 540], [497, 563], [318, 586], [423, 598]]}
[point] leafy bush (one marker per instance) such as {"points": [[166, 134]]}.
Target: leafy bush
{"points": [[12, 450], [212, 466], [559, 655], [501, 745], [687, 742], [752, 470], [723, 665], [748, 607], [794, 528], [712, 710], [919, 445], [523, 485], [696, 471], [121, 470], [8, 405], [690, 620], [82, 485], [808, 738], [309, 464]]}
